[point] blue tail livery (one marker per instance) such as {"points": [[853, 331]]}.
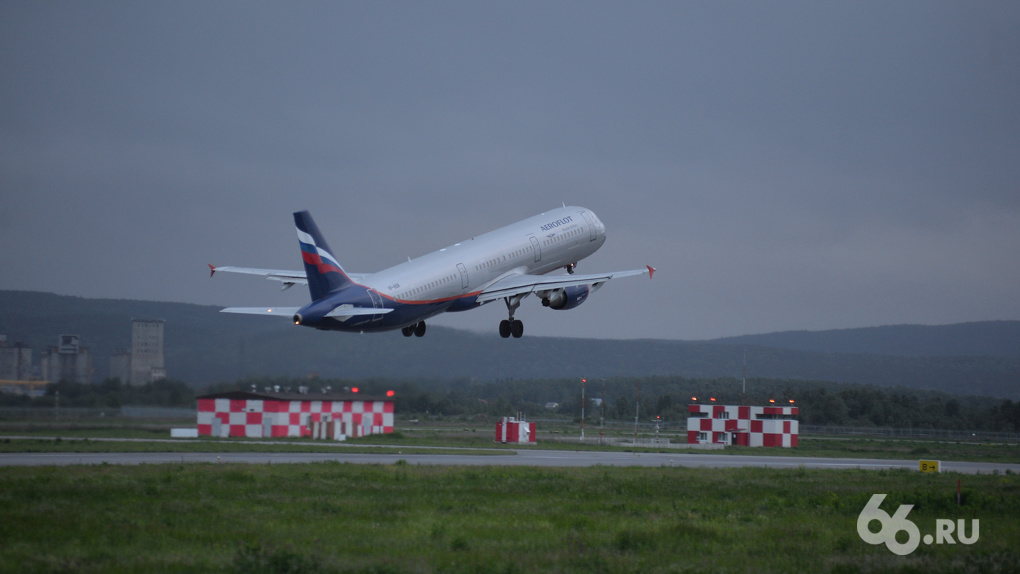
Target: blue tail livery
{"points": [[324, 273]]}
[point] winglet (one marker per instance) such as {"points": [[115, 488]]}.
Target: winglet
{"points": [[651, 271], [212, 270]]}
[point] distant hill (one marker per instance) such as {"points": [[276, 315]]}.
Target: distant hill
{"points": [[981, 339], [204, 346]]}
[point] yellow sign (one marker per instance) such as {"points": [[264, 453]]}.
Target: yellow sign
{"points": [[929, 465]]}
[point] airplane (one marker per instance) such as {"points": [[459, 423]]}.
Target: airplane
{"points": [[509, 263]]}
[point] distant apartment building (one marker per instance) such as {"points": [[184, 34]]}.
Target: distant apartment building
{"points": [[144, 361], [15, 361], [120, 365], [68, 361]]}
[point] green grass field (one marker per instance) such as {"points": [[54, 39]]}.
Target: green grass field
{"points": [[331, 517], [48, 445]]}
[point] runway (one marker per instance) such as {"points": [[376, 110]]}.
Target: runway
{"points": [[523, 457]]}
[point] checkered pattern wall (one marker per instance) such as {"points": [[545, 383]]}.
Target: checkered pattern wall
{"points": [[747, 426], [290, 417]]}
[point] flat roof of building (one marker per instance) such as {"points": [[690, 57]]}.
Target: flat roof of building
{"points": [[282, 396]]}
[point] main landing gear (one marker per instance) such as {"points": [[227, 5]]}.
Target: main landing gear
{"points": [[512, 326], [418, 329]]}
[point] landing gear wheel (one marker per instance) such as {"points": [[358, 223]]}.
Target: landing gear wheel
{"points": [[511, 326], [419, 329], [407, 331]]}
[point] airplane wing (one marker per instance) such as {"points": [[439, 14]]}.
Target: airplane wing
{"points": [[288, 278], [524, 284], [341, 313]]}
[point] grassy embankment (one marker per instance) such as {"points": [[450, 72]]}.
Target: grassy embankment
{"points": [[329, 517]]}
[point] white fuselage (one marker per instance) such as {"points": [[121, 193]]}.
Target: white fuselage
{"points": [[536, 246]]}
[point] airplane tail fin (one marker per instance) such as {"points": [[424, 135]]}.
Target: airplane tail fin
{"points": [[322, 269]]}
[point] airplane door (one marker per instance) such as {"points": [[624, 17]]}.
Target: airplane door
{"points": [[463, 275], [592, 233], [536, 248]]}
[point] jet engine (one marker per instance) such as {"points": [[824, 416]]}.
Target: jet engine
{"points": [[566, 298]]}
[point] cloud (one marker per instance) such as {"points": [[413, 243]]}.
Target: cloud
{"points": [[785, 166]]}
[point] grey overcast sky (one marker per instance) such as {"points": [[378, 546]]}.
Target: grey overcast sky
{"points": [[785, 165]]}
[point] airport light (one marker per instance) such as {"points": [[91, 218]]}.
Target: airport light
{"points": [[582, 381], [354, 389], [602, 411], [637, 409], [389, 393], [773, 401]]}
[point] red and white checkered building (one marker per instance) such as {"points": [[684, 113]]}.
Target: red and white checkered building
{"points": [[746, 426], [270, 414]]}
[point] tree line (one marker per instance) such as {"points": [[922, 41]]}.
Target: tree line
{"points": [[614, 399], [619, 399], [111, 393]]}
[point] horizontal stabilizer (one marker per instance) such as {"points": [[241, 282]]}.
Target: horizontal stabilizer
{"points": [[282, 275], [287, 312]]}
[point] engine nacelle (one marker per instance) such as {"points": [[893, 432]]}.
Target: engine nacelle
{"points": [[566, 298]]}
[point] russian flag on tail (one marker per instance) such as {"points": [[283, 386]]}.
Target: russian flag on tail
{"points": [[325, 275]]}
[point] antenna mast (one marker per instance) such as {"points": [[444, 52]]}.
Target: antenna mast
{"points": [[743, 380]]}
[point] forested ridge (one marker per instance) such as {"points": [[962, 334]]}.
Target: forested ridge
{"points": [[203, 347]]}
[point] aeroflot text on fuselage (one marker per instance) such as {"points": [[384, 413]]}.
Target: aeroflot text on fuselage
{"points": [[557, 223], [509, 263]]}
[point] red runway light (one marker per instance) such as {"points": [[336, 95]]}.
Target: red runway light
{"points": [[389, 393], [354, 390]]}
